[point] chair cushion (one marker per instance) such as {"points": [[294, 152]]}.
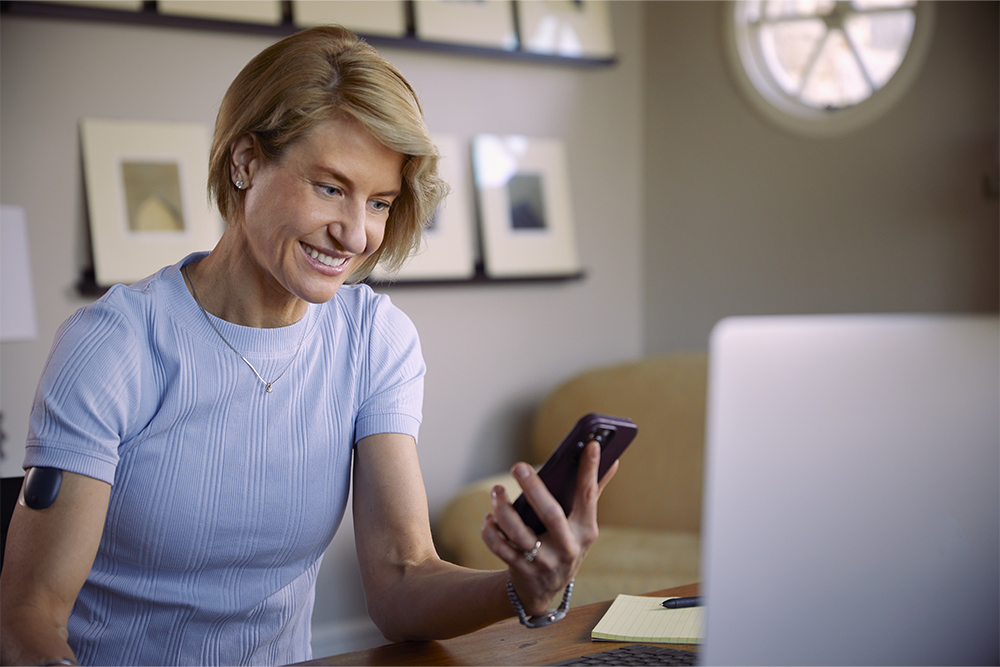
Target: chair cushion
{"points": [[635, 561], [623, 560], [457, 531], [659, 484]]}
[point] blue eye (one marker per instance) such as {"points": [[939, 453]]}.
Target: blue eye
{"points": [[381, 206], [330, 190]]}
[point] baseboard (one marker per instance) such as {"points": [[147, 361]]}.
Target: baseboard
{"points": [[344, 636]]}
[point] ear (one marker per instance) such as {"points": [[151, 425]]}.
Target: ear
{"points": [[243, 159]]}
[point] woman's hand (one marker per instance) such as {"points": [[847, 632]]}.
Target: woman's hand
{"points": [[565, 544]]}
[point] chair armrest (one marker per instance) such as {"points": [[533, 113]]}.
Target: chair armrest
{"points": [[457, 532]]}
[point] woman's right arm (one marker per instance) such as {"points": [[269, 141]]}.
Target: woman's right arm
{"points": [[47, 558]]}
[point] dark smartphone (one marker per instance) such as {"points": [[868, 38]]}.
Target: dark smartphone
{"points": [[559, 472]]}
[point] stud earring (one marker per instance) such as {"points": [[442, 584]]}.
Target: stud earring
{"points": [[239, 185]]}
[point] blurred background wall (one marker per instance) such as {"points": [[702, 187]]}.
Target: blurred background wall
{"points": [[689, 206], [744, 217]]}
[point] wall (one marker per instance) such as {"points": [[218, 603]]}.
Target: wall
{"points": [[747, 218], [492, 351]]}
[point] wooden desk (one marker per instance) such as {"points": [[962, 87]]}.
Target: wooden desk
{"points": [[504, 643]]}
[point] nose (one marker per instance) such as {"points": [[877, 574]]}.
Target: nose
{"points": [[348, 229]]}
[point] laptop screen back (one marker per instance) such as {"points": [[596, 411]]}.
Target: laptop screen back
{"points": [[852, 501]]}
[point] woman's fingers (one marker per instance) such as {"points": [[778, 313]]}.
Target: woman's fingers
{"points": [[518, 535], [540, 578], [497, 541], [546, 507], [581, 524], [588, 487], [607, 476]]}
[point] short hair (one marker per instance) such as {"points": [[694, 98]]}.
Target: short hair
{"points": [[320, 74]]}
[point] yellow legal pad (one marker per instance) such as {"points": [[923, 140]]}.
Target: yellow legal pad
{"points": [[642, 619]]}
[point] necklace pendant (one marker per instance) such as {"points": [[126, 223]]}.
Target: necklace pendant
{"points": [[267, 385]]}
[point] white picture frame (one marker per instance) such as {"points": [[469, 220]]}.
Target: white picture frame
{"points": [[146, 197], [448, 247], [385, 18], [267, 12], [486, 23], [525, 206], [574, 29]]}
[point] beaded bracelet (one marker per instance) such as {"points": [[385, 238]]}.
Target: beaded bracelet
{"points": [[547, 618]]}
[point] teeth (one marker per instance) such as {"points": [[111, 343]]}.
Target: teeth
{"points": [[320, 257]]}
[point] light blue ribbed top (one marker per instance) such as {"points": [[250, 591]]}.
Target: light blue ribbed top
{"points": [[224, 497]]}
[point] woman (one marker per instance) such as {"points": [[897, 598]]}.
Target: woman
{"points": [[206, 417]]}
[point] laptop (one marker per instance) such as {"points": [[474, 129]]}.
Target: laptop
{"points": [[852, 497]]}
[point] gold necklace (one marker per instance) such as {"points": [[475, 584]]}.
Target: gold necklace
{"points": [[267, 385]]}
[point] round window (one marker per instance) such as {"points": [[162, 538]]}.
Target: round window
{"points": [[826, 66]]}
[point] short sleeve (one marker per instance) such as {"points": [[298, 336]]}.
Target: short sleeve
{"points": [[87, 395], [393, 389]]}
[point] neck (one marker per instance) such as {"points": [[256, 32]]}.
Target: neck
{"points": [[231, 286]]}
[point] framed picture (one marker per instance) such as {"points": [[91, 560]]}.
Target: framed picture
{"points": [[488, 23], [385, 18], [572, 28], [525, 207], [241, 11], [447, 250], [146, 195]]}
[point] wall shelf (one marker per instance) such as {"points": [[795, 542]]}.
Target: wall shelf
{"points": [[87, 284], [480, 277], [150, 16]]}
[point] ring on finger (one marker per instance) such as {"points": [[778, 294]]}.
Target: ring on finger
{"points": [[531, 555]]}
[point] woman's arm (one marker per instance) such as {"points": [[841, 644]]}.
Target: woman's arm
{"points": [[412, 593], [47, 558]]}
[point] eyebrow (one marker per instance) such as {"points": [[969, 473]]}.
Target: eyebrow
{"points": [[351, 184]]}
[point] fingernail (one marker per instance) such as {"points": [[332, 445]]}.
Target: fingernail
{"points": [[521, 471]]}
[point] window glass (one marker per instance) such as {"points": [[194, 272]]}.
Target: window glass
{"points": [[809, 56]]}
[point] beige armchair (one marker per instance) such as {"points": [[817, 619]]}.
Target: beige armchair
{"points": [[650, 514]]}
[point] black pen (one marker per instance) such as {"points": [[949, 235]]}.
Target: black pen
{"points": [[681, 603]]}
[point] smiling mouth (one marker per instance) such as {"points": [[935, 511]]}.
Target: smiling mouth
{"points": [[332, 262]]}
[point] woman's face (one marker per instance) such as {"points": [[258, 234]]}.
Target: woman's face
{"points": [[312, 217]]}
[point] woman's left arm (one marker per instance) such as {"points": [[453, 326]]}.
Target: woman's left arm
{"points": [[412, 594]]}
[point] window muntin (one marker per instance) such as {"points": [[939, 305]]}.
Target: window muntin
{"points": [[810, 58]]}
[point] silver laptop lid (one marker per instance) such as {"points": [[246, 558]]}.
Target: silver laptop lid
{"points": [[852, 497]]}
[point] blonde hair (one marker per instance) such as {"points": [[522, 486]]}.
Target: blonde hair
{"points": [[317, 75]]}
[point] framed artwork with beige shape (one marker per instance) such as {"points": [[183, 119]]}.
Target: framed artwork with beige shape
{"points": [[145, 195]]}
